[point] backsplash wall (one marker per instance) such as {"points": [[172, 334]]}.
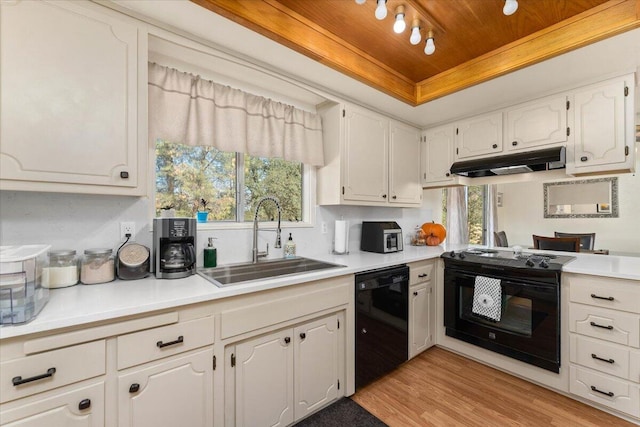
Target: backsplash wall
{"points": [[78, 221]]}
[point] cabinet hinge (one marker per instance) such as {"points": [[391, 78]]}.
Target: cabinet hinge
{"points": [[456, 151], [338, 323], [343, 113], [343, 190], [456, 131], [626, 91], [568, 131], [568, 104], [214, 362], [233, 360], [424, 175], [626, 150], [338, 384]]}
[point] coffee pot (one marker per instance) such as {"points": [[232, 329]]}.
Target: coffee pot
{"points": [[174, 247]]}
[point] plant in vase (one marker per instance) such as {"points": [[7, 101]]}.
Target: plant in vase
{"points": [[203, 212], [167, 211]]}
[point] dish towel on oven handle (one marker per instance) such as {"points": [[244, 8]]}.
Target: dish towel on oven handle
{"points": [[487, 298]]}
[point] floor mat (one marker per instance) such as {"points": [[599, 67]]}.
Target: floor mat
{"points": [[345, 412]]}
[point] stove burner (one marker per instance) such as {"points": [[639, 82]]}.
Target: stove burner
{"points": [[506, 258]]}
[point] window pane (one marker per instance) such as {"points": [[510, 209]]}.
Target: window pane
{"points": [[186, 174], [475, 206], [273, 177]]}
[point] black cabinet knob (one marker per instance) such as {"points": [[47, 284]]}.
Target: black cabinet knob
{"points": [[124, 174], [394, 197], [415, 294], [384, 196], [583, 159], [495, 145], [303, 335], [84, 404], [134, 388], [514, 143], [447, 174], [287, 340]]}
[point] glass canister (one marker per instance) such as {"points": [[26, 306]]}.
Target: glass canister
{"points": [[61, 269], [97, 266]]}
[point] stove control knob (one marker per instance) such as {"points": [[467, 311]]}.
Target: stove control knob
{"points": [[529, 263], [453, 254], [544, 264], [462, 256]]}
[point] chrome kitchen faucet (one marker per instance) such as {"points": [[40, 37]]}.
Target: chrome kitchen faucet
{"points": [[254, 252]]}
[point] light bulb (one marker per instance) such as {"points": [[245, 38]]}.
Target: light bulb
{"points": [[415, 37], [381, 10], [429, 46], [361, 1], [399, 26], [510, 7]]}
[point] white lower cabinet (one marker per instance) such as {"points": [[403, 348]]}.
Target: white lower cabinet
{"points": [[282, 376], [72, 406], [421, 307], [174, 392]]}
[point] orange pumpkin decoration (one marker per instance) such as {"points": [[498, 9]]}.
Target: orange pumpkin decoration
{"points": [[435, 233]]}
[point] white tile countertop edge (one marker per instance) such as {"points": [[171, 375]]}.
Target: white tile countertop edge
{"points": [[83, 304]]}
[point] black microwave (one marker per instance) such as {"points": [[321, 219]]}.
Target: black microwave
{"points": [[381, 237]]}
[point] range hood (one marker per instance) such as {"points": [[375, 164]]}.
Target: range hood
{"points": [[540, 160]]}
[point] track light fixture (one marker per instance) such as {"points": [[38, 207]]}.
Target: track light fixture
{"points": [[399, 25], [429, 46], [510, 7], [381, 10], [415, 37]]}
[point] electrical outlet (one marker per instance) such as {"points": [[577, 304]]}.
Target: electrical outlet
{"points": [[127, 228], [324, 228]]}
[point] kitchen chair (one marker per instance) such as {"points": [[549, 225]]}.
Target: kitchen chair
{"points": [[568, 244], [587, 240], [500, 239]]}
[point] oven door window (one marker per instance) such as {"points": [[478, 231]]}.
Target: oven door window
{"points": [[519, 313]]}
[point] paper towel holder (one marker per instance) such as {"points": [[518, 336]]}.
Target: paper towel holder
{"points": [[343, 234]]}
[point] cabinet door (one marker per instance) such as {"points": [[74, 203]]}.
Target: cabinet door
{"points": [[437, 154], [404, 165], [264, 380], [537, 124], [365, 173], [316, 364], [479, 136], [177, 392], [601, 120], [68, 97], [420, 319], [79, 407]]}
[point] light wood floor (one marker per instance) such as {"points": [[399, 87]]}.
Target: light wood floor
{"points": [[440, 388]]}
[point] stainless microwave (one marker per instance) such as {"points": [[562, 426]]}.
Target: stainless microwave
{"points": [[381, 237]]}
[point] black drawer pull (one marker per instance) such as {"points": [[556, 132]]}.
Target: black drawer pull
{"points": [[384, 196], [415, 294], [609, 327], [19, 381], [606, 393], [594, 356], [124, 175], [84, 404], [422, 275], [599, 297], [134, 388], [584, 158], [161, 344], [287, 340], [302, 335]]}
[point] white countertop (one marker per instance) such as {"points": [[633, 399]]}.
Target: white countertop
{"points": [[83, 304]]}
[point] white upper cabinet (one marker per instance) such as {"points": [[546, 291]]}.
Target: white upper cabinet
{"points": [[437, 155], [603, 128], [479, 136], [538, 124], [71, 77], [370, 160], [404, 164], [366, 156]]}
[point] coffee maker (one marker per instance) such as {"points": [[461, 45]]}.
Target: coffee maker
{"points": [[174, 247]]}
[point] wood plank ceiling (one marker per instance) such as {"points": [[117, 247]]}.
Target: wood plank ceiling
{"points": [[474, 40]]}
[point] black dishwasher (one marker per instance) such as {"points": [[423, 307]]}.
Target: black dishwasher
{"points": [[382, 311]]}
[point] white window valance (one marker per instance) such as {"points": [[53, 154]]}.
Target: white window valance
{"points": [[188, 109]]}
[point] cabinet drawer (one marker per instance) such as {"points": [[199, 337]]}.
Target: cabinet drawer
{"points": [[145, 346], [602, 356], [420, 272], [51, 369], [617, 294], [608, 391], [615, 326]]}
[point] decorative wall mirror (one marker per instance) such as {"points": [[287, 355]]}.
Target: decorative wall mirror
{"points": [[587, 198]]}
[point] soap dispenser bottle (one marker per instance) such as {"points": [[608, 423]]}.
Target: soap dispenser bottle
{"points": [[290, 248], [210, 255]]}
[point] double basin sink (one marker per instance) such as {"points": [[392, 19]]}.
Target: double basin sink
{"points": [[234, 274]]}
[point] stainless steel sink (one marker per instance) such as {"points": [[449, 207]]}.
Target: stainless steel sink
{"points": [[233, 274]]}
